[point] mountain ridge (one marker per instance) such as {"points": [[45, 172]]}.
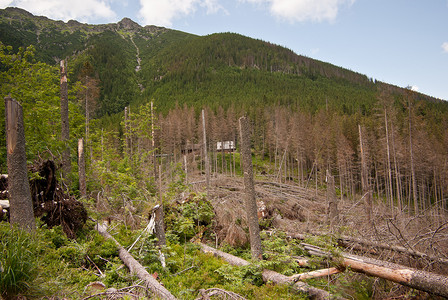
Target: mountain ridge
{"points": [[168, 56]]}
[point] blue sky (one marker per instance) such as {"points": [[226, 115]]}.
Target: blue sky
{"points": [[402, 42]]}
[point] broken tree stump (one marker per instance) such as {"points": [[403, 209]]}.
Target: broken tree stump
{"points": [[21, 205]]}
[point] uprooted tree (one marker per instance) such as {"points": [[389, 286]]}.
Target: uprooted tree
{"points": [[49, 201]]}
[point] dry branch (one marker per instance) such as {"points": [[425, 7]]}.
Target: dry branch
{"points": [[223, 294], [136, 268], [269, 275], [421, 280]]}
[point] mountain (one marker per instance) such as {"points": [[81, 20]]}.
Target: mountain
{"points": [[135, 63]]}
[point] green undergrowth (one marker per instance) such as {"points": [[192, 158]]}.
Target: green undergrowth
{"points": [[48, 264]]}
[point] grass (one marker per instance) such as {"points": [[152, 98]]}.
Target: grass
{"points": [[17, 261]]}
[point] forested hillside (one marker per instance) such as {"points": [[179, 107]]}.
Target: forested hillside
{"points": [[145, 101]]}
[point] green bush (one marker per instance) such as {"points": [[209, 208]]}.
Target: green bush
{"points": [[18, 265]]}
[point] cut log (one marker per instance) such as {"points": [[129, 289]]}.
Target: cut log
{"points": [[312, 292], [315, 274], [417, 279], [136, 268], [269, 275]]}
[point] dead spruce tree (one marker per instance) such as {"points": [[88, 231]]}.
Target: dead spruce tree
{"points": [[65, 129], [251, 204], [82, 168], [332, 204]]}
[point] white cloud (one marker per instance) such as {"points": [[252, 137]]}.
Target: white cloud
{"points": [[81, 10], [304, 10], [162, 13], [414, 88], [445, 47], [5, 3]]}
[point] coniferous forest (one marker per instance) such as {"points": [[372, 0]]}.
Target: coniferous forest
{"points": [[346, 169]]}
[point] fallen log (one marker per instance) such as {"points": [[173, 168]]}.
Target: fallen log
{"points": [[269, 275], [417, 279], [136, 268], [315, 274], [400, 249], [344, 240]]}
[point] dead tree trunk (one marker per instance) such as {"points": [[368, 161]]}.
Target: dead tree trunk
{"points": [[65, 128], [127, 131], [153, 141], [367, 192], [411, 154], [417, 279], [136, 268], [82, 168], [251, 203], [206, 160], [389, 170], [21, 205], [332, 213], [269, 275], [159, 225]]}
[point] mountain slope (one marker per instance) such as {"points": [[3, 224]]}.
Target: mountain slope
{"points": [[175, 67], [108, 48]]}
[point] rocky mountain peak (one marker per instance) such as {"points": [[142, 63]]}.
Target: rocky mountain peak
{"points": [[127, 23]]}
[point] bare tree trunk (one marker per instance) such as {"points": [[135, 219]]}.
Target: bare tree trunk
{"points": [[21, 205], [65, 128], [366, 190], [153, 141], [206, 160], [389, 169], [397, 174], [251, 203], [411, 153], [186, 168], [87, 111], [332, 201], [136, 268], [159, 225], [82, 168]]}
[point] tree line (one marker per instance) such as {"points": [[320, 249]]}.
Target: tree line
{"points": [[404, 138]]}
